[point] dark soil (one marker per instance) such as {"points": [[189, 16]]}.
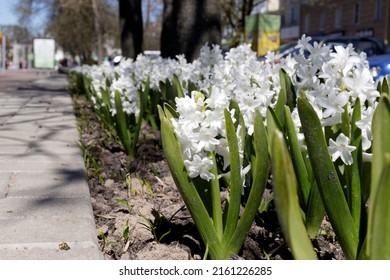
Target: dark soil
{"points": [[139, 213]]}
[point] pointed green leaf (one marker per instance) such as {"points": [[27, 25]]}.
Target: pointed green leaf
{"points": [[106, 95], [308, 192], [379, 224], [233, 209], [286, 199], [354, 171], [378, 238], [381, 142], [279, 107], [170, 111], [191, 86], [273, 124], [298, 160], [261, 170], [188, 191], [385, 86], [315, 212], [122, 126], [177, 87], [288, 86], [327, 180], [216, 199]]}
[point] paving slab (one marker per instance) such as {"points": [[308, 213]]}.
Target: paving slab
{"points": [[18, 147], [44, 196], [41, 206], [50, 251], [60, 184], [38, 166]]}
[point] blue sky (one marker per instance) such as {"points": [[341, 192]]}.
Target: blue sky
{"points": [[7, 15]]}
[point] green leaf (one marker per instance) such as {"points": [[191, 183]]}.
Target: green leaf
{"points": [[191, 86], [216, 199], [327, 180], [273, 124], [381, 142], [164, 88], [379, 224], [353, 172], [187, 189], [378, 238], [289, 88], [125, 233], [104, 112], [345, 122], [308, 192], [298, 160], [177, 87], [315, 212], [279, 107], [170, 111], [385, 86], [261, 170], [106, 94], [233, 209], [167, 93], [286, 199], [149, 101], [122, 126]]}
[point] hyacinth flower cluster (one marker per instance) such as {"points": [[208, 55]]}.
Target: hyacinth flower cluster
{"points": [[116, 100], [325, 145], [215, 138], [138, 86], [334, 81], [200, 128], [126, 95]]}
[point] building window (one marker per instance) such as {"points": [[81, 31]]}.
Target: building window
{"points": [[322, 21], [283, 20], [294, 15], [338, 17], [378, 10], [307, 24], [357, 13]]}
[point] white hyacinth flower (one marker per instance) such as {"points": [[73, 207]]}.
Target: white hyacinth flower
{"points": [[341, 149]]}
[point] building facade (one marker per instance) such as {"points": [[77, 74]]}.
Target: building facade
{"points": [[290, 14], [345, 18]]}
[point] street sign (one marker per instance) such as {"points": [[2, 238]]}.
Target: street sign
{"points": [[44, 53]]}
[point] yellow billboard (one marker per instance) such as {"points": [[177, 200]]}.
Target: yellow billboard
{"points": [[262, 31], [269, 41]]}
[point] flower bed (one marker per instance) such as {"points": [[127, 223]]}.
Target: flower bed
{"points": [[309, 127]]}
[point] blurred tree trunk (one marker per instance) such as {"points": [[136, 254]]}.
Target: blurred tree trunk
{"points": [[188, 25], [98, 31], [131, 26]]}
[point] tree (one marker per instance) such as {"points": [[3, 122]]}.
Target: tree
{"points": [[188, 25], [233, 18], [16, 33], [131, 27], [78, 39], [78, 26]]}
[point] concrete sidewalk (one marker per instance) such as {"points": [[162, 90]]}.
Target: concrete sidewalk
{"points": [[45, 207]]}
